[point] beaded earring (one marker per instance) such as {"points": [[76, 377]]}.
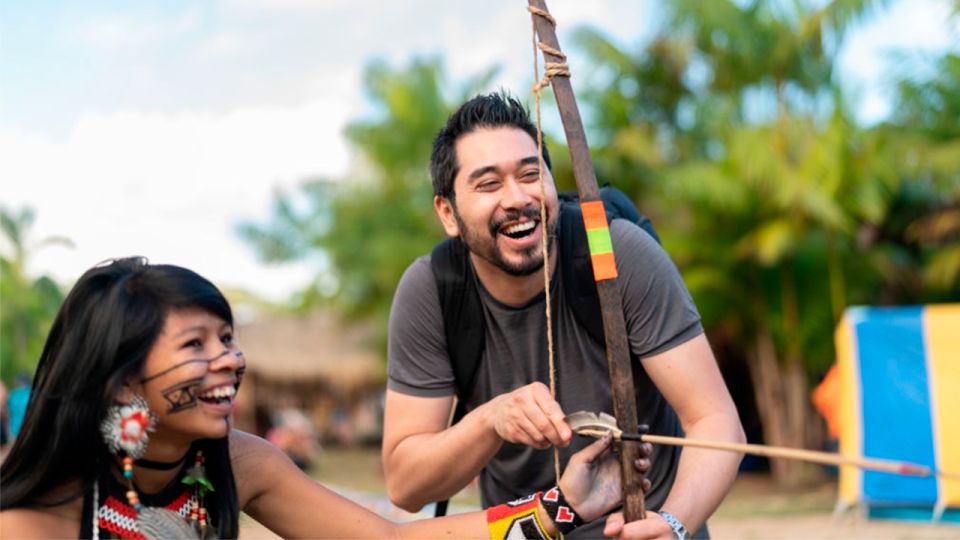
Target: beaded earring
{"points": [[125, 427]]}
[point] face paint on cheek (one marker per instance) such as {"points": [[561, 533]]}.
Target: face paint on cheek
{"points": [[145, 380], [182, 396], [240, 370]]}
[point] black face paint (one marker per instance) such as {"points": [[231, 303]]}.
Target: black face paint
{"points": [[182, 396], [145, 380], [181, 364]]}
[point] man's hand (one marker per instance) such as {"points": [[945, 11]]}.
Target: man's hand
{"points": [[653, 527], [592, 483], [529, 415]]}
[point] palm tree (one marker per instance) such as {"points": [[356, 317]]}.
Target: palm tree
{"points": [[733, 122], [363, 230], [29, 304], [923, 228]]}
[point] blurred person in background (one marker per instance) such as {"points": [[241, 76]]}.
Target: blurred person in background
{"points": [[294, 433], [17, 402], [4, 421]]}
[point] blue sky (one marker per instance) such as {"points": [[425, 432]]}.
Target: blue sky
{"points": [[152, 128]]}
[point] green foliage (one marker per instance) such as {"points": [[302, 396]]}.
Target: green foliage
{"points": [[29, 304], [363, 230], [921, 236], [730, 130]]}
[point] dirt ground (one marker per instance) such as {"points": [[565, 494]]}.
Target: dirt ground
{"points": [[754, 509]]}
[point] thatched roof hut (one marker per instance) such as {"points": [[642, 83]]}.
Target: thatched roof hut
{"points": [[314, 362]]}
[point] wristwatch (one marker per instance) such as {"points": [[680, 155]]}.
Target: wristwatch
{"points": [[678, 529]]}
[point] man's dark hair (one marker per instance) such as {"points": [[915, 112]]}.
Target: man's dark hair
{"points": [[484, 111]]}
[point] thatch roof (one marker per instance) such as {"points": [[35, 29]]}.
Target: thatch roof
{"points": [[309, 349]]}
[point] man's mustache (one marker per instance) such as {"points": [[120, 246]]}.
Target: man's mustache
{"points": [[529, 212]]}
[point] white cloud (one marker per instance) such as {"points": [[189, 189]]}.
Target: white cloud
{"points": [[296, 6], [229, 43], [171, 187], [114, 31]]}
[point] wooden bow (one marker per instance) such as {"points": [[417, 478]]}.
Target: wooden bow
{"points": [[611, 304]]}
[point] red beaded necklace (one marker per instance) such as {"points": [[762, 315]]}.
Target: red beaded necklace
{"points": [[124, 519]]}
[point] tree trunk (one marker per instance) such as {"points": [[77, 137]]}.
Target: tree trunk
{"points": [[838, 294], [783, 406]]}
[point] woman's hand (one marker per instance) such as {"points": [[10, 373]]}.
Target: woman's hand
{"points": [[592, 484]]}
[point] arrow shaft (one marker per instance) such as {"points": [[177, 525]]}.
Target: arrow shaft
{"points": [[812, 456]]}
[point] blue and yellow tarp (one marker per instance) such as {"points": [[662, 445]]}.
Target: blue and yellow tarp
{"points": [[899, 399]]}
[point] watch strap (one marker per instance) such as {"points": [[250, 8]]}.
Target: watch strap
{"points": [[678, 529]]}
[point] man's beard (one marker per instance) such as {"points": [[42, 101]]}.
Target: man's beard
{"points": [[484, 243]]}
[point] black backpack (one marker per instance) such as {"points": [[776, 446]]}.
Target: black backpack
{"points": [[464, 325]]}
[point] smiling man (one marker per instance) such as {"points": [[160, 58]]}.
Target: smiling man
{"points": [[488, 198]]}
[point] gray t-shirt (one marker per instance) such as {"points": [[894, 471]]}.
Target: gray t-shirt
{"points": [[660, 315]]}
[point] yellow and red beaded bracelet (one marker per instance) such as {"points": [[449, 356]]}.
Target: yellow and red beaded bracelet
{"points": [[517, 519]]}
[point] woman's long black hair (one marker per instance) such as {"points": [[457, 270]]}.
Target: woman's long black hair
{"points": [[100, 339]]}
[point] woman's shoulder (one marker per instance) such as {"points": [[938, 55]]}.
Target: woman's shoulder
{"points": [[255, 463], [247, 446], [62, 521]]}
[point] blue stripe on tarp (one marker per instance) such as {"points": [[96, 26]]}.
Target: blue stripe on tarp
{"points": [[913, 513], [895, 403]]}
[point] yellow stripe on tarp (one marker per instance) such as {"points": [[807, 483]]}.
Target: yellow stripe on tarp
{"points": [[851, 427], [941, 327]]}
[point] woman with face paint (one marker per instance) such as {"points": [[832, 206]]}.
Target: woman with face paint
{"points": [[128, 434]]}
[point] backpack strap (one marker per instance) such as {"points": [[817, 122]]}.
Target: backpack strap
{"points": [[618, 205], [463, 324], [576, 269]]}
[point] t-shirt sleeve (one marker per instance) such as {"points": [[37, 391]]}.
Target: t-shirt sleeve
{"points": [[417, 360], [660, 313]]}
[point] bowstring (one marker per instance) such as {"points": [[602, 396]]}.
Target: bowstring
{"points": [[551, 69]]}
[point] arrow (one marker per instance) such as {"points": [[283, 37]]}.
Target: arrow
{"points": [[597, 425]]}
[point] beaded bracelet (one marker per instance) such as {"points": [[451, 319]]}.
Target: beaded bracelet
{"points": [[557, 507], [517, 519]]}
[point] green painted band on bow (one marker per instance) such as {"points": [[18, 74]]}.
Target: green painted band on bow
{"points": [[599, 241]]}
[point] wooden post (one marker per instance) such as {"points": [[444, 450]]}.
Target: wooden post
{"points": [[611, 304]]}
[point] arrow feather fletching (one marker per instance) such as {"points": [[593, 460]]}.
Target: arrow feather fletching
{"points": [[588, 423]]}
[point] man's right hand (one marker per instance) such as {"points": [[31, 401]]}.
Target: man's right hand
{"points": [[529, 415]]}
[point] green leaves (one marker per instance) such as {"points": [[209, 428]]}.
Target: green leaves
{"points": [[730, 129], [363, 230], [29, 303], [196, 476]]}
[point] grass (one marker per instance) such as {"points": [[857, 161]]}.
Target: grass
{"points": [[360, 469], [754, 495]]}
